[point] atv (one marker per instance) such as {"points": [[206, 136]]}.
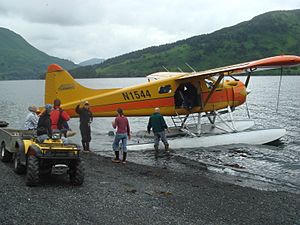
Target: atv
{"points": [[34, 157]]}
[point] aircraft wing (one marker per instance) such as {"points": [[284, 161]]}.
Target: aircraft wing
{"points": [[261, 64], [163, 75]]}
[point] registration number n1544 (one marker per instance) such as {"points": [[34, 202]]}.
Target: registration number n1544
{"points": [[133, 95]]}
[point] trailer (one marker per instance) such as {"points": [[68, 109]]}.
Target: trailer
{"points": [[9, 139]]}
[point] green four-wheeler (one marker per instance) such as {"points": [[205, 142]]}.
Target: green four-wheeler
{"points": [[33, 157]]}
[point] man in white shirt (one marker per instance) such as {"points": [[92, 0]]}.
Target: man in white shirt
{"points": [[31, 118]]}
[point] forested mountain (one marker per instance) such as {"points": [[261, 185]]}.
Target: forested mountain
{"points": [[91, 62], [20, 60], [269, 34]]}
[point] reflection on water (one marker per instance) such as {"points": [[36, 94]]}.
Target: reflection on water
{"points": [[263, 166]]}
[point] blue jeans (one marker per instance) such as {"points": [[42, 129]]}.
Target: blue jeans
{"points": [[118, 138], [160, 135]]}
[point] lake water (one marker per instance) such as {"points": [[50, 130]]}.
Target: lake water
{"points": [[266, 167]]}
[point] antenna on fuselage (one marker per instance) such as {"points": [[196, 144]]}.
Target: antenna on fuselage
{"points": [[190, 67], [179, 69], [165, 69]]}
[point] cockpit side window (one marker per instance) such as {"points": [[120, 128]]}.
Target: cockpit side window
{"points": [[165, 89]]}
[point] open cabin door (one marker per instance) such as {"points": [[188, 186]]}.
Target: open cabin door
{"points": [[186, 96]]}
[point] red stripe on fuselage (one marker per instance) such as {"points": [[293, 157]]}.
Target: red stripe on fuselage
{"points": [[151, 103]]}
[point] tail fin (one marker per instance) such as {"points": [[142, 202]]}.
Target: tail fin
{"points": [[60, 84]]}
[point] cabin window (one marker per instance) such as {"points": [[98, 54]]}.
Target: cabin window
{"points": [[209, 83], [165, 89]]}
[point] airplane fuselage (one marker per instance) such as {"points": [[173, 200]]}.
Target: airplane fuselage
{"points": [[174, 93], [172, 97]]}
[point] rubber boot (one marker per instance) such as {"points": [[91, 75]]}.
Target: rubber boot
{"points": [[156, 151], [167, 147], [87, 146], [156, 148], [124, 157], [83, 146], [116, 159]]}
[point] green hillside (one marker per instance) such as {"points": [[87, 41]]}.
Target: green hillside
{"points": [[20, 60], [269, 34]]}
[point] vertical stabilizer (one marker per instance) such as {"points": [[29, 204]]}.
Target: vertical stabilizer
{"points": [[60, 84]]}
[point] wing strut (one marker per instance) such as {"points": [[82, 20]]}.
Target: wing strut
{"points": [[246, 85], [213, 89], [248, 79], [281, 72]]}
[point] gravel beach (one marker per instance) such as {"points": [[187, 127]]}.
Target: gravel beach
{"points": [[138, 194]]}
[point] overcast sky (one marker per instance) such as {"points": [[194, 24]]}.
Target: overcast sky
{"points": [[79, 30]]}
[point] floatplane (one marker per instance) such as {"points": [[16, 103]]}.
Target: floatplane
{"points": [[180, 95]]}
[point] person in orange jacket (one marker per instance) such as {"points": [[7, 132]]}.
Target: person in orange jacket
{"points": [[59, 117]]}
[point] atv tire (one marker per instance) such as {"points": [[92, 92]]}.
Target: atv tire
{"points": [[18, 167], [33, 173], [5, 155], [76, 173]]}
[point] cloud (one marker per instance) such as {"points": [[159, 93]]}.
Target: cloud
{"points": [[78, 30], [62, 13]]}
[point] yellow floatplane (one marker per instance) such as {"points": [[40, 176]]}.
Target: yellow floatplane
{"points": [[180, 95]]}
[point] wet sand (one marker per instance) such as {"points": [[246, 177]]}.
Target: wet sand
{"points": [[138, 194]]}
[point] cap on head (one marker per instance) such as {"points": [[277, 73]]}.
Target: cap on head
{"points": [[32, 108], [86, 103], [48, 107], [57, 102]]}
